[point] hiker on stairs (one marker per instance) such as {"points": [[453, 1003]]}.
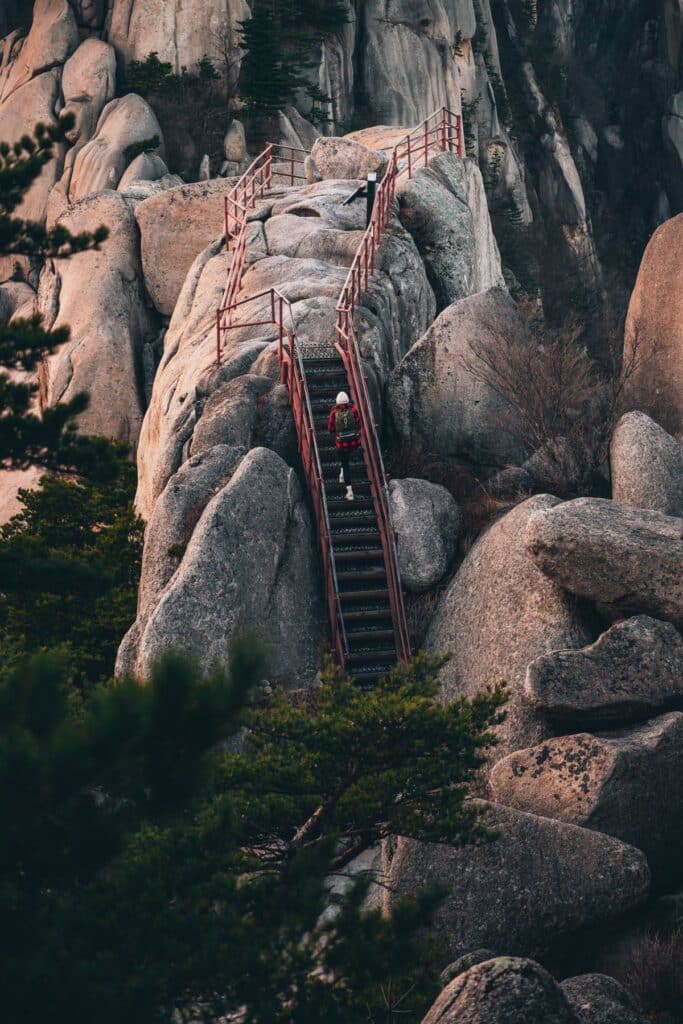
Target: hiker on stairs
{"points": [[344, 423]]}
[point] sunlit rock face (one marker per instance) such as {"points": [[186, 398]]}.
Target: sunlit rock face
{"points": [[179, 32]]}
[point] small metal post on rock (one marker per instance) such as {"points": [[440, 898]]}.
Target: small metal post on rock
{"points": [[370, 193]]}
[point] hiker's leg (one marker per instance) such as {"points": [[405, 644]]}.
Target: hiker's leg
{"points": [[345, 457]]}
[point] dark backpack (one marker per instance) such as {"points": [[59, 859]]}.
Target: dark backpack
{"points": [[345, 425]]}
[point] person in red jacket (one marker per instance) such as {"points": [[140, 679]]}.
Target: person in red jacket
{"points": [[344, 423]]}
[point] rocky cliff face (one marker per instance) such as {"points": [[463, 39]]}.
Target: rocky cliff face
{"points": [[572, 113], [573, 109]]}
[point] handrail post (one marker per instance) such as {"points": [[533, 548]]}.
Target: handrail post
{"points": [[268, 176], [218, 337]]}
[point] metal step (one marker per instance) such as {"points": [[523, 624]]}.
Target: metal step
{"points": [[324, 371], [365, 674], [358, 555], [327, 458], [342, 505], [365, 576], [377, 611], [364, 594], [369, 655], [323, 389], [338, 519], [342, 538], [317, 362], [361, 635]]}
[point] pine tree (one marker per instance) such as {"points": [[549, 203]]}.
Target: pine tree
{"points": [[25, 438], [268, 78], [69, 568], [151, 873], [279, 43]]}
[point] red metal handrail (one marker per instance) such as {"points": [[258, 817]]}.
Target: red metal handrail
{"points": [[438, 133], [294, 376], [256, 181]]}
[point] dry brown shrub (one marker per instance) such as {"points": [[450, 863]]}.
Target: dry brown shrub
{"points": [[561, 403], [651, 968], [477, 504]]}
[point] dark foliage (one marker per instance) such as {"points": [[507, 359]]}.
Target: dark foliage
{"points": [[25, 438], [191, 107], [69, 568], [279, 42], [147, 870]]}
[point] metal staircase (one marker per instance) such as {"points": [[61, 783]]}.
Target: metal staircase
{"points": [[357, 542]]}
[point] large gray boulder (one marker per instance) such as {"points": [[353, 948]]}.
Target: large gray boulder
{"points": [[344, 158], [439, 405], [504, 990], [100, 296], [427, 522], [175, 226], [100, 164], [537, 880], [652, 341], [627, 784], [176, 513], [631, 671], [647, 465], [627, 559], [88, 84], [249, 412], [53, 36], [444, 208], [250, 563], [31, 92], [147, 167], [497, 616], [599, 999]]}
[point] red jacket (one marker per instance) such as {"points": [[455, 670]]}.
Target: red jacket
{"points": [[332, 426]]}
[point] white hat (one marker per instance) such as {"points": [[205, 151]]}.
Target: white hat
{"points": [[342, 398]]}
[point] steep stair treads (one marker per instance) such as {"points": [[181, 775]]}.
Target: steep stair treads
{"points": [[357, 542]]}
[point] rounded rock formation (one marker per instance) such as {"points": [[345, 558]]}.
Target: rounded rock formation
{"points": [[427, 523], [653, 345], [646, 465]]}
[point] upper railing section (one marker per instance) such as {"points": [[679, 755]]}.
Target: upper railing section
{"points": [[441, 132], [280, 165]]}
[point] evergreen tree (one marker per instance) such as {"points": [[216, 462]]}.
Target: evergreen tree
{"points": [[25, 438], [150, 874], [268, 78], [69, 568], [279, 43]]}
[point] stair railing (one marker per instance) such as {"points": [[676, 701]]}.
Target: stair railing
{"points": [[287, 164], [439, 133], [273, 308]]}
